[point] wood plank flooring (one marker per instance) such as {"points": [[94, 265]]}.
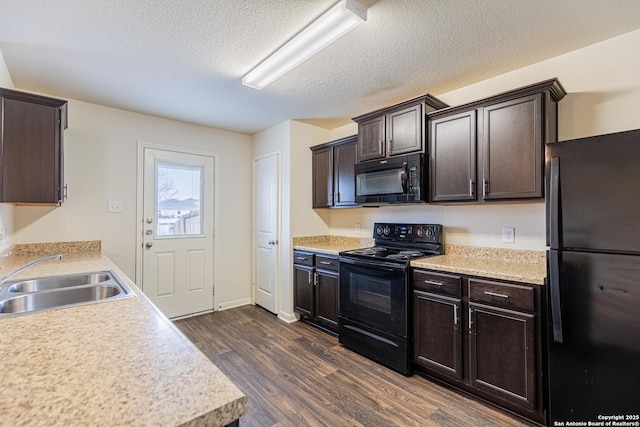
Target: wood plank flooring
{"points": [[296, 375]]}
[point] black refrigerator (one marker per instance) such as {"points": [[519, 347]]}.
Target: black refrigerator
{"points": [[593, 282]]}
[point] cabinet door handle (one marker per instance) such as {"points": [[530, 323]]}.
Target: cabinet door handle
{"points": [[325, 263], [485, 188], [309, 279], [455, 314], [431, 282], [495, 294], [338, 197], [330, 197], [315, 279], [471, 189], [470, 318]]}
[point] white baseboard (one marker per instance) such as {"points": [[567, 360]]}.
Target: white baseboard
{"points": [[287, 317], [233, 304]]}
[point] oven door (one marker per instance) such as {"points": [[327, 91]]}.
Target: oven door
{"points": [[374, 294]]}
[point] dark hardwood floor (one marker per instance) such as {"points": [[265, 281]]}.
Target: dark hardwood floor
{"points": [[297, 375]]}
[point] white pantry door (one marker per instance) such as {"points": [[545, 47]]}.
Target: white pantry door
{"points": [[265, 226], [177, 260]]}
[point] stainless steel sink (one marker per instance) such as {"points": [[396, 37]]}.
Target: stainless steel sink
{"points": [[48, 293], [57, 282]]}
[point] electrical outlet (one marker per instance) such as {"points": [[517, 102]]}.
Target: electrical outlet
{"points": [[114, 206], [508, 235], [357, 228]]}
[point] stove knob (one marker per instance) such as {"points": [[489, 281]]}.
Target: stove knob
{"points": [[379, 230], [430, 232], [386, 231], [420, 232]]}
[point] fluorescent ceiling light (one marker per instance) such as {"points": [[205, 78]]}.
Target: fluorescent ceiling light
{"points": [[335, 22]]}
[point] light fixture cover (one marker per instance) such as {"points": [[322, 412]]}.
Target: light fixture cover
{"points": [[335, 22]]}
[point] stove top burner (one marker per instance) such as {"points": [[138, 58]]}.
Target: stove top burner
{"points": [[370, 251], [405, 255], [400, 255]]}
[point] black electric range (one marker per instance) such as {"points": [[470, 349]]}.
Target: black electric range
{"points": [[374, 308]]}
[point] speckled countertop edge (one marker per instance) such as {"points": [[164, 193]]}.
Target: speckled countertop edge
{"points": [[330, 245], [522, 266], [118, 362]]}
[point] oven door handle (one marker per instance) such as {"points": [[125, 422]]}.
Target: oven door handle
{"points": [[378, 265]]}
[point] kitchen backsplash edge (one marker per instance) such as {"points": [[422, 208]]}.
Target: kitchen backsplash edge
{"points": [[40, 249]]}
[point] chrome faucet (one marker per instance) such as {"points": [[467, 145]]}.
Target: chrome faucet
{"points": [[29, 265]]}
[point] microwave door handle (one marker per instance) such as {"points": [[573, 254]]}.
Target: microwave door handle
{"points": [[404, 178]]}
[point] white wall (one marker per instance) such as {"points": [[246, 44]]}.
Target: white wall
{"points": [[5, 78], [305, 221], [292, 140], [6, 211], [101, 165], [603, 97]]}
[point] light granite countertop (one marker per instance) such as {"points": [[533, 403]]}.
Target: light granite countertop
{"points": [[111, 363], [522, 266], [505, 264], [330, 245]]}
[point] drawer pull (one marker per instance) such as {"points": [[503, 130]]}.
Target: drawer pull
{"points": [[302, 258], [495, 294], [431, 282], [325, 263]]}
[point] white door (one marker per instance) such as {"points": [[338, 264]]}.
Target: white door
{"points": [[265, 226], [177, 260]]}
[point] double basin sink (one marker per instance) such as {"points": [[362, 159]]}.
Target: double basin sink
{"points": [[48, 293]]}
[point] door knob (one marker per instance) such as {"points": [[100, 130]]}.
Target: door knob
{"points": [[148, 244], [273, 242], [148, 220]]}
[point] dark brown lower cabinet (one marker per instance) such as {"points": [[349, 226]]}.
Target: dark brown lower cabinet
{"points": [[303, 288], [437, 333], [502, 354], [315, 284], [481, 336], [326, 299]]}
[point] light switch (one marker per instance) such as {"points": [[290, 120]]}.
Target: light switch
{"points": [[114, 206]]}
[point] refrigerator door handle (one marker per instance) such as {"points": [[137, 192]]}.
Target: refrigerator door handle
{"points": [[554, 293], [554, 203]]}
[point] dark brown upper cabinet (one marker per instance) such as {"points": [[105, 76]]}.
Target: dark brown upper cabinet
{"points": [[493, 149], [333, 173], [31, 148], [394, 130]]}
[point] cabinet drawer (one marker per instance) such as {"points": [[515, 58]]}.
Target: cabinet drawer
{"points": [[440, 283], [506, 295], [326, 263], [303, 258]]}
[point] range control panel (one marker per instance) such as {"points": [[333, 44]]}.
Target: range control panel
{"points": [[423, 233]]}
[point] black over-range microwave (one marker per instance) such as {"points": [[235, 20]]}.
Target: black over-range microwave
{"points": [[398, 179]]}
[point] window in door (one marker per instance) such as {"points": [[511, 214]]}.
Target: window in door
{"points": [[179, 192]]}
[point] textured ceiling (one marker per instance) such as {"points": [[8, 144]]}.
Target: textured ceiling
{"points": [[185, 59]]}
